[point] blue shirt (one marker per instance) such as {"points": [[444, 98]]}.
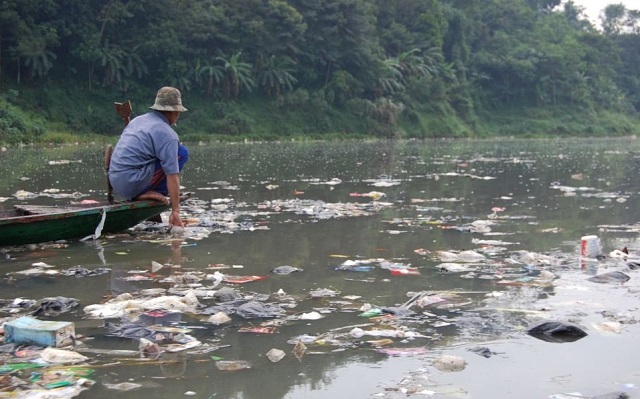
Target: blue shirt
{"points": [[146, 139]]}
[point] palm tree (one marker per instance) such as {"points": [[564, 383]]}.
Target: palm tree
{"points": [[179, 72], [237, 75], [579, 90], [390, 80], [111, 58], [414, 65], [133, 64], [35, 55], [210, 72], [40, 63], [275, 73]]}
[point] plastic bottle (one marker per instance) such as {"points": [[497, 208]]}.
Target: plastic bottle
{"points": [[232, 365]]}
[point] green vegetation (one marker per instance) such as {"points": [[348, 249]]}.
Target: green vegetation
{"points": [[319, 69]]}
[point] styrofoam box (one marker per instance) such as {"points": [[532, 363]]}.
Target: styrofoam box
{"points": [[29, 330]]}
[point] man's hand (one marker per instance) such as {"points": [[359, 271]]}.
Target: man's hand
{"points": [[174, 219], [173, 185]]}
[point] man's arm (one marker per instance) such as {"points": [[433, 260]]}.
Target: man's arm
{"points": [[173, 185]]}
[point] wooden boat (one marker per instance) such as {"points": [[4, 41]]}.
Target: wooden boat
{"points": [[28, 224]]}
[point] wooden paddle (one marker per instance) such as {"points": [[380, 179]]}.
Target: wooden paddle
{"points": [[124, 110]]}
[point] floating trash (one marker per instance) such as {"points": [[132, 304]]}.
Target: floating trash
{"points": [[356, 265], [403, 351], [219, 318], [275, 355], [55, 306], [590, 246], [29, 330], [506, 290], [255, 309], [408, 271], [257, 330], [241, 279], [610, 277], [482, 351], [232, 365], [323, 293], [61, 356], [450, 363], [284, 270], [122, 386], [299, 350], [557, 331], [310, 316]]}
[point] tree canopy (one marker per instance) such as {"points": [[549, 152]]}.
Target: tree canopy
{"points": [[391, 62]]}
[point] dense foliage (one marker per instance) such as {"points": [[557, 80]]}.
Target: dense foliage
{"points": [[273, 68]]}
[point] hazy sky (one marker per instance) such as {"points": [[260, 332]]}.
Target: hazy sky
{"points": [[593, 7]]}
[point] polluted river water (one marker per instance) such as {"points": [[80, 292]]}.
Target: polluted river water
{"points": [[381, 269]]}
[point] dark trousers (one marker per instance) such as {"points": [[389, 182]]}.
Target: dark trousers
{"points": [[159, 179]]}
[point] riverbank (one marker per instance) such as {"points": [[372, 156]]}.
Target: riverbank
{"points": [[37, 116]]}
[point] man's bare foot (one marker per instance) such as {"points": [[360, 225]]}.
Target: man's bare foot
{"points": [[152, 195]]}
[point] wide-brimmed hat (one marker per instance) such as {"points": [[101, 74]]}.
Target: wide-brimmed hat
{"points": [[168, 99]]}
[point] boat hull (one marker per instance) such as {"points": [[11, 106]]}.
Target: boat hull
{"points": [[72, 222]]}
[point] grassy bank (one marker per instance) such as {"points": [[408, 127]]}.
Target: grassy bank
{"points": [[62, 115]]}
